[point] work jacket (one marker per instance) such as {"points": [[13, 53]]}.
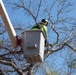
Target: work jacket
{"points": [[40, 26]]}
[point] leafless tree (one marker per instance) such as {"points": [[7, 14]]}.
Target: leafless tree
{"points": [[61, 32]]}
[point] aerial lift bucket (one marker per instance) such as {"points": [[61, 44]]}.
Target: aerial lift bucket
{"points": [[33, 45]]}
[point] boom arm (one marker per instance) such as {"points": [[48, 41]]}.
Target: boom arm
{"points": [[8, 24]]}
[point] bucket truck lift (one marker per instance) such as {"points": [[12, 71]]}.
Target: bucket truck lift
{"points": [[32, 41]]}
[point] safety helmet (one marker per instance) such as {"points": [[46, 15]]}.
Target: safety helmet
{"points": [[45, 21]]}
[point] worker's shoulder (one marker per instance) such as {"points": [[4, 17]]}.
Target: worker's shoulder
{"points": [[44, 26], [40, 23]]}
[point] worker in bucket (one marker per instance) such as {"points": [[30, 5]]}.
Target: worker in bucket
{"points": [[42, 26]]}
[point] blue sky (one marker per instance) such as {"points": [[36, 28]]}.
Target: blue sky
{"points": [[18, 17]]}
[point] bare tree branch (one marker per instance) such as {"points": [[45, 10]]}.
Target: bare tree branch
{"points": [[58, 43], [38, 8], [60, 10], [53, 5], [25, 8], [12, 65], [12, 52], [53, 27], [74, 49]]}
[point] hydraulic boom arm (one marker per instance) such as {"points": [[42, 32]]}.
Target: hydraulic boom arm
{"points": [[8, 25]]}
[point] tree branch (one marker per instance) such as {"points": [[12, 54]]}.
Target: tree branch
{"points": [[25, 8], [13, 52], [74, 49], [59, 11], [53, 27], [52, 50], [12, 65], [39, 8]]}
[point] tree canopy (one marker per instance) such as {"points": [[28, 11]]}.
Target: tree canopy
{"points": [[61, 36]]}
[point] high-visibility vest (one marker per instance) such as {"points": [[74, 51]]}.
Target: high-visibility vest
{"points": [[41, 26]]}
